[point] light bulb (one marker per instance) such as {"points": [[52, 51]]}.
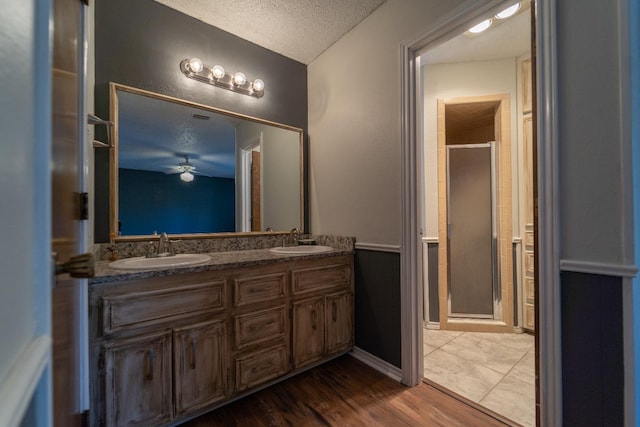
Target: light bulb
{"points": [[218, 72], [508, 12], [186, 176], [195, 65], [239, 78], [480, 27], [258, 85]]}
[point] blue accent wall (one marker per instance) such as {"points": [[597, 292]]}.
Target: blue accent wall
{"points": [[155, 201]]}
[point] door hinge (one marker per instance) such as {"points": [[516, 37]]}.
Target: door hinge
{"points": [[85, 2], [82, 206]]}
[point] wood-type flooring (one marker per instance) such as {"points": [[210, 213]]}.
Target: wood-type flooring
{"points": [[345, 392]]}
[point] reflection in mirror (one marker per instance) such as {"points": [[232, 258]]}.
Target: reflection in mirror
{"points": [[187, 168]]}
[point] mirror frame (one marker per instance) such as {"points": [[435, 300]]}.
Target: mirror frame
{"points": [[113, 163]]}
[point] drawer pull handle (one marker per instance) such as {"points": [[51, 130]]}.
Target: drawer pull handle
{"points": [[148, 371], [313, 319], [193, 354], [334, 311]]}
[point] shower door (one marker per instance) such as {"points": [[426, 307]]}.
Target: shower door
{"points": [[473, 290]]}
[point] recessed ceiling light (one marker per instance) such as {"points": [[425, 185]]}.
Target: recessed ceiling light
{"points": [[480, 27], [508, 12]]}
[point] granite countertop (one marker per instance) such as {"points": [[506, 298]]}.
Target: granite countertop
{"points": [[219, 260]]}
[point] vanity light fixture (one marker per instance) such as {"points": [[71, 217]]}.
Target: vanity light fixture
{"points": [[217, 76]]}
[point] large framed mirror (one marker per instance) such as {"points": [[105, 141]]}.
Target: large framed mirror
{"points": [[190, 169]]}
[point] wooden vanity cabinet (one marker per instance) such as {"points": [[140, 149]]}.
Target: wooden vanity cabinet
{"points": [[200, 368], [322, 311], [339, 318], [166, 348], [158, 348], [308, 331], [138, 380], [261, 327]]}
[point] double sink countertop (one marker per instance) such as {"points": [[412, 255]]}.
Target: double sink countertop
{"points": [[219, 260]]}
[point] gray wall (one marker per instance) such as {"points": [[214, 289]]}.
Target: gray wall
{"points": [[593, 207], [591, 140], [141, 43]]}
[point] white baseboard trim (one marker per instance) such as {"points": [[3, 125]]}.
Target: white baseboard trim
{"points": [[378, 364], [18, 386], [605, 269], [378, 247], [432, 325]]}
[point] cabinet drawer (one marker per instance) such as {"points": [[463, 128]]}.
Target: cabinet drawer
{"points": [[257, 368], [123, 311], [318, 278], [261, 326], [249, 290]]}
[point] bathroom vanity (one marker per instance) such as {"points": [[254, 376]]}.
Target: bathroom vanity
{"points": [[170, 344]]}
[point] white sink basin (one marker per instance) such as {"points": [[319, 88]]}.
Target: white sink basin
{"points": [[143, 263], [301, 250]]}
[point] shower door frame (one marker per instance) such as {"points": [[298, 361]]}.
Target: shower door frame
{"points": [[503, 203], [496, 312]]}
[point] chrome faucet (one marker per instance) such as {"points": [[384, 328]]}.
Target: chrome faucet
{"points": [[293, 236], [163, 243]]}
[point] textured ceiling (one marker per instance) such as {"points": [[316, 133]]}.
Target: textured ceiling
{"points": [[297, 29], [156, 135]]}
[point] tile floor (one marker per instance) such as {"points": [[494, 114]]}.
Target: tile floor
{"points": [[495, 370]]}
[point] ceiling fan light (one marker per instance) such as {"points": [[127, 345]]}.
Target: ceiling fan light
{"points": [[186, 176]]}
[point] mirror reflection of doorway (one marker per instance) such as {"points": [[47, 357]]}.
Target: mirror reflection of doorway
{"points": [[479, 343], [256, 192]]}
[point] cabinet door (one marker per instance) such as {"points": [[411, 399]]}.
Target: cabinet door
{"points": [[339, 322], [308, 331], [138, 380], [200, 365]]}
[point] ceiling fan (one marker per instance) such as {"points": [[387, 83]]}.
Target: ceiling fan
{"points": [[186, 170]]}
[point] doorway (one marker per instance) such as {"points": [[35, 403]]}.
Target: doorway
{"points": [[474, 201], [474, 218]]}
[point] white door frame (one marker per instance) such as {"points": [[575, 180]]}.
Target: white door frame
{"points": [[549, 348]]}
